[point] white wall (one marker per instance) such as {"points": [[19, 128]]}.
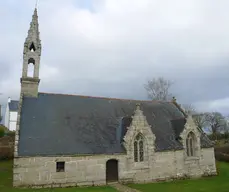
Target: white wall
{"points": [[12, 121], [12, 126], [13, 116], [6, 121]]}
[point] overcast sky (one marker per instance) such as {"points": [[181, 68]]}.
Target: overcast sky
{"points": [[112, 47]]}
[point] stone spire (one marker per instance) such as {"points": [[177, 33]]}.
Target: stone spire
{"points": [[33, 34], [31, 58]]}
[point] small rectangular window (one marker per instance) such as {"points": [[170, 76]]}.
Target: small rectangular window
{"points": [[60, 166]]}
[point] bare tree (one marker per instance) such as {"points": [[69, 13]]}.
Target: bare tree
{"points": [[200, 120], [0, 113], [189, 109], [216, 122], [0, 110], [158, 89], [225, 125]]}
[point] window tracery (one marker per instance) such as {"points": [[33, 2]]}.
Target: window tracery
{"points": [[139, 148], [190, 144]]}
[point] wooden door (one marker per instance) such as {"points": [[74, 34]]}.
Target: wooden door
{"points": [[112, 170]]}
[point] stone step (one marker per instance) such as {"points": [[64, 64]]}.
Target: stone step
{"points": [[122, 188]]}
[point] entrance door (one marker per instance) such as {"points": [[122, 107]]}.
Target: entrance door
{"points": [[112, 170]]}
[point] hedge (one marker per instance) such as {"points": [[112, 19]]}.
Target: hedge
{"points": [[224, 149], [6, 152], [222, 157], [6, 148], [2, 131], [222, 153]]}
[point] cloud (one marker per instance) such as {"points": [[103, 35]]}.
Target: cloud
{"points": [[110, 47], [215, 105]]}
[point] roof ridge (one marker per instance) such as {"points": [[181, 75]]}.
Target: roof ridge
{"points": [[14, 100], [108, 98], [180, 109]]}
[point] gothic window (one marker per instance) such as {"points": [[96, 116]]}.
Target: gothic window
{"points": [[190, 144], [141, 151], [135, 151], [139, 148], [32, 47], [30, 71]]}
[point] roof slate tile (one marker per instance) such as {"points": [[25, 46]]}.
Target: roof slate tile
{"points": [[55, 124], [13, 105]]}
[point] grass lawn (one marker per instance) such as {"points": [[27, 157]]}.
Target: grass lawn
{"points": [[6, 183], [218, 183]]}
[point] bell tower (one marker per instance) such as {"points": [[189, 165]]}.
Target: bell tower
{"points": [[31, 59]]}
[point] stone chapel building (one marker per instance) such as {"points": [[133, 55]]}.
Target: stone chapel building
{"points": [[71, 140]]}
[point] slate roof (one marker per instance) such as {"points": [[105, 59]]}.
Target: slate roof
{"points": [[13, 105], [55, 124]]}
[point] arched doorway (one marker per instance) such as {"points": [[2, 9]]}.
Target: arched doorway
{"points": [[112, 170]]}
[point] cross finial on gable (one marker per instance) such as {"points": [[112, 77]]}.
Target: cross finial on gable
{"points": [[37, 1], [138, 106], [138, 112], [174, 100]]}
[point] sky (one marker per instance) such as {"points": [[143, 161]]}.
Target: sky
{"points": [[111, 48]]}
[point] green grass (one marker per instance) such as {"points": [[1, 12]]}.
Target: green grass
{"points": [[6, 183], [218, 183]]}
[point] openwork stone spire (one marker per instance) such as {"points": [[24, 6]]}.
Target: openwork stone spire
{"points": [[31, 59], [33, 33]]}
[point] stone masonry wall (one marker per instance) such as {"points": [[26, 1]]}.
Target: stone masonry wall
{"points": [[41, 171], [207, 162], [29, 87], [173, 165], [91, 170]]}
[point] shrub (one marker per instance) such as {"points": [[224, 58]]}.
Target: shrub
{"points": [[5, 141], [222, 157], [6, 152], [224, 149], [226, 135], [219, 136], [6, 148], [2, 130], [11, 134]]}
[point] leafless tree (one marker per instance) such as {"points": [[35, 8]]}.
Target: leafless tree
{"points": [[200, 120], [225, 125], [0, 113], [189, 109], [158, 89], [216, 122], [1, 110]]}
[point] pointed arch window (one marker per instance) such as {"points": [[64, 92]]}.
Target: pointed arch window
{"points": [[139, 148], [32, 47], [191, 145], [30, 69]]}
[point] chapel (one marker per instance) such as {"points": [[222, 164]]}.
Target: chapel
{"points": [[73, 140]]}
